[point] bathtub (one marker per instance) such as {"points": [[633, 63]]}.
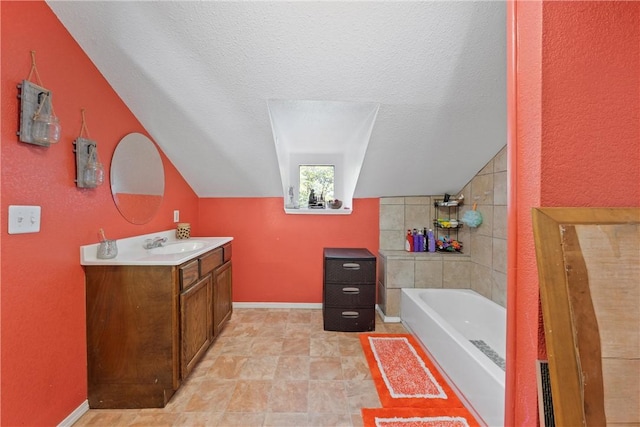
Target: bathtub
{"points": [[446, 321]]}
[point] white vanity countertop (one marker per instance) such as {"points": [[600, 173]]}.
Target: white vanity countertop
{"points": [[131, 251]]}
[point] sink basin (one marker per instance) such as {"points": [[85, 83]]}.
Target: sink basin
{"points": [[178, 247]]}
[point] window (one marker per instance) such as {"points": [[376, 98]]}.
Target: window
{"points": [[321, 146], [317, 179]]}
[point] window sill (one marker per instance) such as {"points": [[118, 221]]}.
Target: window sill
{"points": [[307, 211]]}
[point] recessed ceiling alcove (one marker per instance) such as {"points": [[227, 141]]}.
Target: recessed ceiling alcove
{"points": [[322, 132]]}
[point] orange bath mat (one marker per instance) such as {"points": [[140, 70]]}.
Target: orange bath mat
{"points": [[418, 417], [403, 374]]}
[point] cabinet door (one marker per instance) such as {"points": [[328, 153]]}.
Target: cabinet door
{"points": [[222, 305], [195, 323]]}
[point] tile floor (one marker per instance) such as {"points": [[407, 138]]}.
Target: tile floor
{"points": [[268, 367]]}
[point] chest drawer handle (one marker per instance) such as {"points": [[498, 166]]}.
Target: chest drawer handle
{"points": [[350, 314], [351, 291], [351, 266]]}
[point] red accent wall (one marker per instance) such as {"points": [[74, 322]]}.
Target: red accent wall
{"points": [[278, 257], [43, 340], [574, 140]]}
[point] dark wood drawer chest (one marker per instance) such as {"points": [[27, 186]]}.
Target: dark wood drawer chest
{"points": [[349, 290]]}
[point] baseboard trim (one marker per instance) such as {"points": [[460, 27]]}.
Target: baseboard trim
{"points": [[385, 318], [306, 305], [75, 415], [314, 305]]}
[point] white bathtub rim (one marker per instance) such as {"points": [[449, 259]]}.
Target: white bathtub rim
{"points": [[465, 401], [492, 369]]}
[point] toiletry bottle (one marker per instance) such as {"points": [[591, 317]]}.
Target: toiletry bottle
{"points": [[420, 241], [432, 241], [415, 240], [425, 246], [408, 245]]}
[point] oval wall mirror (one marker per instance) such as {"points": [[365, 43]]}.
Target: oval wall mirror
{"points": [[137, 178]]}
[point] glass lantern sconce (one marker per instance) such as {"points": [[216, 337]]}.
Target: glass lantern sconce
{"points": [[89, 170], [38, 122]]}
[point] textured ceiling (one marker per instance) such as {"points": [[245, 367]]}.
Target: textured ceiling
{"points": [[198, 75]]}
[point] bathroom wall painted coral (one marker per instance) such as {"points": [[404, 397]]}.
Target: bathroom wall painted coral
{"points": [[43, 345], [278, 257], [574, 109]]}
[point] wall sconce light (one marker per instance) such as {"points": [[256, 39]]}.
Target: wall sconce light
{"points": [[89, 169], [38, 122]]}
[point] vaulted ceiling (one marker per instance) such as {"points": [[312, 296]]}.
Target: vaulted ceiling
{"points": [[199, 76]]}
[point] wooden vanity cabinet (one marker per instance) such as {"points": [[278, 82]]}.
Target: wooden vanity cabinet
{"points": [[148, 326], [222, 301], [195, 315], [133, 338]]}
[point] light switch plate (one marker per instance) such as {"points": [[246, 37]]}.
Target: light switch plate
{"points": [[176, 216], [24, 219]]}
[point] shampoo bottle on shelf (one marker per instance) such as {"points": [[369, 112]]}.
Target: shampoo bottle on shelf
{"points": [[408, 245], [425, 244], [432, 241], [420, 241]]}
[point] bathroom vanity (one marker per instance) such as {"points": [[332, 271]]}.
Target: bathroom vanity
{"points": [[151, 318]]}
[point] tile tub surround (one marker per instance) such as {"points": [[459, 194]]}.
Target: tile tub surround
{"points": [[484, 246], [401, 269]]}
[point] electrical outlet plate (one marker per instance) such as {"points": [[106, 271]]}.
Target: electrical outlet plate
{"points": [[24, 219], [176, 216]]}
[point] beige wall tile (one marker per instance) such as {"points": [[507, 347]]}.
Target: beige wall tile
{"points": [[456, 274], [482, 280], [500, 188], [482, 250], [500, 222], [417, 216], [464, 236], [428, 273], [391, 217], [500, 255], [393, 302], [392, 200], [400, 274], [486, 228], [500, 160], [392, 240], [382, 296], [484, 271], [487, 169], [466, 191], [417, 200], [499, 288], [382, 270], [482, 189]]}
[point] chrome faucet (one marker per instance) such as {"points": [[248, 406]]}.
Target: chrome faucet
{"points": [[154, 243]]}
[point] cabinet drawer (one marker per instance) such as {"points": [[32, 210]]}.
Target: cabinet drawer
{"points": [[347, 295], [188, 274], [210, 261], [227, 252], [349, 319], [350, 271]]}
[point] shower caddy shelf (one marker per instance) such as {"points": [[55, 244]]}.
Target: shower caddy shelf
{"points": [[451, 209]]}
